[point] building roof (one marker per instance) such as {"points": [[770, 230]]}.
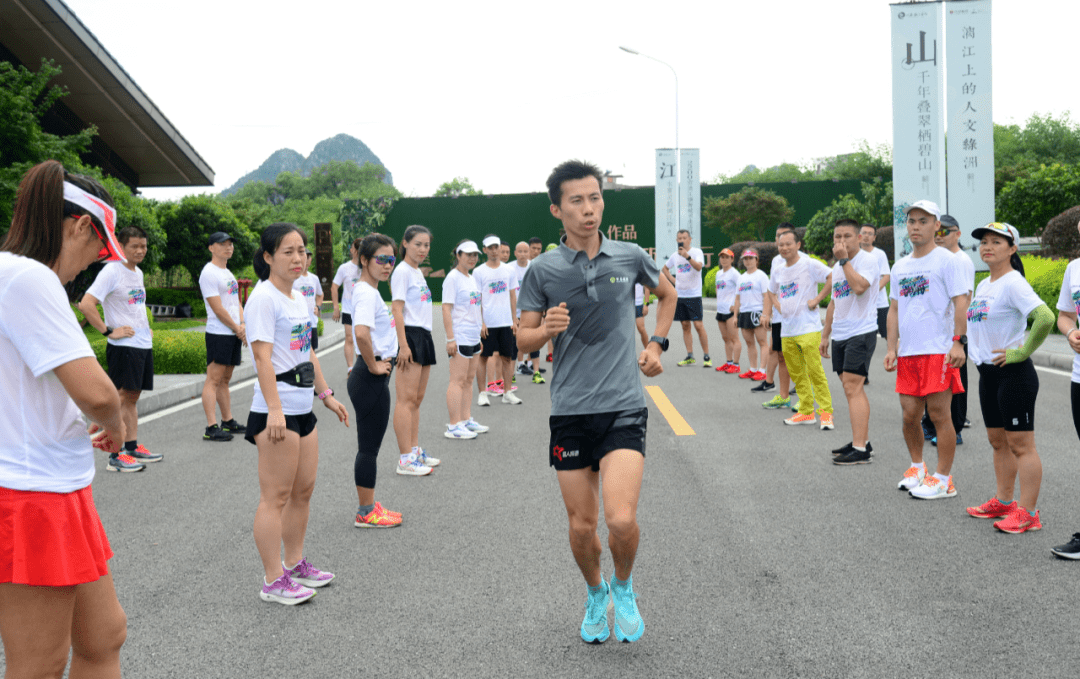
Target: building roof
{"points": [[134, 136]]}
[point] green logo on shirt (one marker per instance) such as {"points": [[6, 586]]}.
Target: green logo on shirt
{"points": [[620, 279]]}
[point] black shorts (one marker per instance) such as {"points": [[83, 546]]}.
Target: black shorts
{"points": [[748, 320], [639, 311], [501, 340], [346, 319], [689, 309], [853, 355], [777, 341], [883, 321], [580, 441], [723, 318], [301, 424], [1007, 395], [535, 354], [420, 344], [471, 350], [223, 349], [130, 368], [314, 337]]}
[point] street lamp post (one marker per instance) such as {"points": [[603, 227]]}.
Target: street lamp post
{"points": [[640, 54]]}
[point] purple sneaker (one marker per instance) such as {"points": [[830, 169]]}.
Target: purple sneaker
{"points": [[285, 591], [307, 575]]}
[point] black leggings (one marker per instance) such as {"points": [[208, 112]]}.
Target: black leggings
{"points": [[370, 396], [1076, 406]]}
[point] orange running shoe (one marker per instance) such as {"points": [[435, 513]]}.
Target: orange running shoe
{"points": [[826, 421], [801, 419], [748, 375], [377, 519], [991, 509], [1019, 520]]}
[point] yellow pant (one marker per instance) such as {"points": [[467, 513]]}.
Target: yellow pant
{"points": [[804, 366]]}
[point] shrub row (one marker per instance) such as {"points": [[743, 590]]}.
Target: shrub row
{"points": [[176, 297]]}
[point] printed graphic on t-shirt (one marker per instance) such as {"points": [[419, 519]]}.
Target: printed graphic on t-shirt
{"points": [[300, 337], [425, 293], [1076, 301], [234, 288], [474, 299], [749, 285], [136, 296], [721, 285], [914, 286], [684, 268], [496, 287], [307, 290], [789, 289], [977, 311], [841, 289]]}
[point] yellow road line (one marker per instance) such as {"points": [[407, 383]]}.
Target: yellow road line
{"points": [[678, 424]]}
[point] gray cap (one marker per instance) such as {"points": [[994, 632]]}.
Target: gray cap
{"points": [[949, 220], [219, 237]]}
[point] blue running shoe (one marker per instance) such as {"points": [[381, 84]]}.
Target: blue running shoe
{"points": [[594, 628], [628, 623]]}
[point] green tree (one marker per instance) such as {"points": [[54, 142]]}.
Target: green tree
{"points": [[746, 214], [189, 224], [1043, 140], [875, 207], [25, 97], [1030, 202], [458, 186], [866, 163]]}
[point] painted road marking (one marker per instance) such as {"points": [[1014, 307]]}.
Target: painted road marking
{"points": [[679, 425]]}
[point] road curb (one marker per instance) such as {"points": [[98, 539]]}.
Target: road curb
{"points": [[187, 389]]}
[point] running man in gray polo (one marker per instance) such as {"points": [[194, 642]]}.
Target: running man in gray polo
{"points": [[582, 295]]}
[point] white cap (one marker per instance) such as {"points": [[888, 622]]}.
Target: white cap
{"points": [[491, 240], [926, 206], [468, 247]]}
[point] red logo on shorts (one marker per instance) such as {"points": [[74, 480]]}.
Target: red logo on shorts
{"points": [[557, 451]]}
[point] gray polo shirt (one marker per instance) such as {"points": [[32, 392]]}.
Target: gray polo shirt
{"points": [[596, 368]]}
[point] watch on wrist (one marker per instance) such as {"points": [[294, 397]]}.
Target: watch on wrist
{"points": [[843, 261], [662, 341], [108, 331], [962, 339]]}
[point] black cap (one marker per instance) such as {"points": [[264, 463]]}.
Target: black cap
{"points": [[219, 237], [949, 220]]}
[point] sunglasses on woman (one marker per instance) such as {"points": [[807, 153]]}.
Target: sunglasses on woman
{"points": [[383, 260]]}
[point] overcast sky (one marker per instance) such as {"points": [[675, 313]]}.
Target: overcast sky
{"points": [[500, 92]]}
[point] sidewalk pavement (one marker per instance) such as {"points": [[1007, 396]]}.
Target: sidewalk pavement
{"points": [[1054, 352], [170, 390]]}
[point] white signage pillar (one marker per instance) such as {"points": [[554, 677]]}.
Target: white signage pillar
{"points": [[918, 58], [667, 199], [690, 194]]}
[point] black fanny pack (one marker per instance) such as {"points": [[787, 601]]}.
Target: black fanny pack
{"points": [[302, 375]]}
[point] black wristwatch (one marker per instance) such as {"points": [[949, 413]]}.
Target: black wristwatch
{"points": [[662, 341], [843, 261], [962, 339], [108, 331]]}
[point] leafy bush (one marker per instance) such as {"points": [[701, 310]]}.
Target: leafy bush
{"points": [[176, 352], [189, 224], [1047, 280], [748, 213], [1030, 202], [709, 286], [875, 207], [320, 328], [1061, 238]]}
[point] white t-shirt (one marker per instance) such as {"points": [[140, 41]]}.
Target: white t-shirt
{"points": [[369, 309], [309, 286], [639, 294], [520, 272], [460, 290], [727, 284], [44, 446], [883, 267], [217, 282], [923, 288], [495, 286], [122, 294], [347, 276], [855, 315], [997, 316], [1069, 300], [751, 290], [795, 286], [284, 321], [408, 285], [687, 280]]}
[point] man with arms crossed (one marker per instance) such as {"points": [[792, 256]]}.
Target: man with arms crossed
{"points": [[851, 320], [687, 262], [926, 346], [598, 412]]}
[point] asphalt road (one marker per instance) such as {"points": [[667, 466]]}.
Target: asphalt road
{"points": [[758, 557]]}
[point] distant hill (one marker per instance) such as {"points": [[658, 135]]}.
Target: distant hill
{"points": [[342, 147]]}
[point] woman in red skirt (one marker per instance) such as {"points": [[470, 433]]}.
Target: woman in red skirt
{"points": [[56, 592]]}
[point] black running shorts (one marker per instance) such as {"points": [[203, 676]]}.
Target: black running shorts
{"points": [[581, 441]]}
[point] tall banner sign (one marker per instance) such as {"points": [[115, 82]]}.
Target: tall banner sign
{"points": [[667, 199], [918, 112], [971, 128], [690, 194]]}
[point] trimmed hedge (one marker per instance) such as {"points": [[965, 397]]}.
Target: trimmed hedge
{"points": [[176, 297], [176, 352]]}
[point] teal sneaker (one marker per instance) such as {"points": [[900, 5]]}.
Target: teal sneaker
{"points": [[628, 623], [594, 628], [778, 402]]}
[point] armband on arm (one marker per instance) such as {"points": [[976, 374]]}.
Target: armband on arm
{"points": [[1042, 320]]}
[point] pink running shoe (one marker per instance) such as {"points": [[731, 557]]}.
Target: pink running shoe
{"points": [[1019, 520], [286, 591], [991, 509], [307, 575]]}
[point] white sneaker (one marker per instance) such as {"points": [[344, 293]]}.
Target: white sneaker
{"points": [[426, 460], [510, 399], [933, 488], [458, 431], [483, 400], [413, 468], [912, 477], [473, 425]]}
